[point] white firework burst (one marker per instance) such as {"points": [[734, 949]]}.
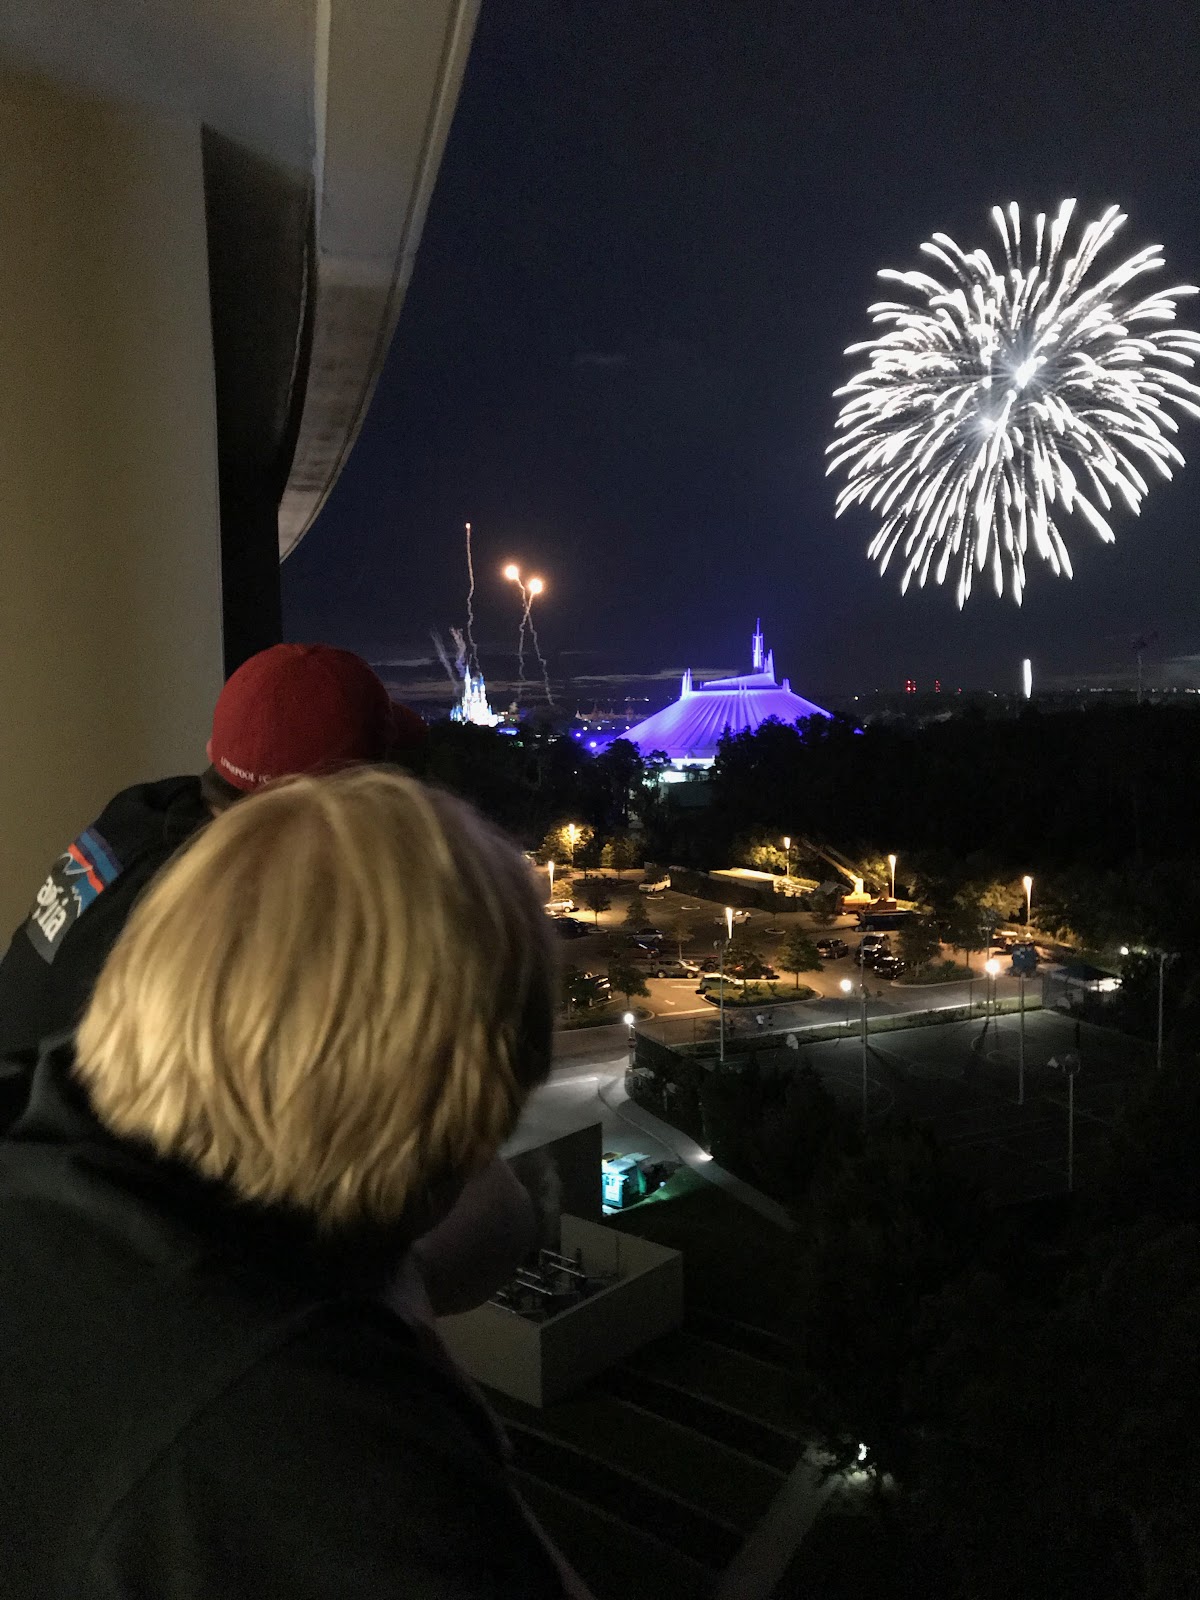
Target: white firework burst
{"points": [[1005, 399]]}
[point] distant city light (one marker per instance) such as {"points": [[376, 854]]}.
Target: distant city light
{"points": [[1027, 678]]}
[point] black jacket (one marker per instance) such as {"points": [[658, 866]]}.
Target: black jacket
{"points": [[55, 955], [201, 1402]]}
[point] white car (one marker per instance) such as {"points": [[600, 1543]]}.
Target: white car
{"points": [[657, 887], [738, 916], [560, 908]]}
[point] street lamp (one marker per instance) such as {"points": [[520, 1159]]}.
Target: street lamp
{"points": [[550, 866], [892, 870], [629, 1019], [1028, 882], [787, 846], [572, 837], [862, 991], [845, 986], [1163, 958], [729, 922], [992, 968], [1069, 1065]]}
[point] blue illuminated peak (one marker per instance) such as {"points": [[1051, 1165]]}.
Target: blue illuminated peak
{"points": [[756, 657]]}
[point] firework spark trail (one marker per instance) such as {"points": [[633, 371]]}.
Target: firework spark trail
{"points": [[1005, 398], [533, 635], [441, 652], [472, 653], [526, 602]]}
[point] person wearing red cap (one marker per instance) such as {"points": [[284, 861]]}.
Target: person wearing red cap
{"points": [[290, 710]]}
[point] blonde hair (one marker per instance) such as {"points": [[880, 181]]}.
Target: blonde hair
{"points": [[337, 998]]}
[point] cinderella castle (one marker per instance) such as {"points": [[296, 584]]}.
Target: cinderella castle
{"points": [[689, 730]]}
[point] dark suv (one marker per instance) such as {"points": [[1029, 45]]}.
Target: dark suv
{"points": [[889, 966], [832, 949]]}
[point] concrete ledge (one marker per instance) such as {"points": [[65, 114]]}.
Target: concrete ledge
{"points": [[540, 1362]]}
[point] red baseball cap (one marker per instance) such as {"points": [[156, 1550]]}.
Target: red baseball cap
{"points": [[299, 708]]}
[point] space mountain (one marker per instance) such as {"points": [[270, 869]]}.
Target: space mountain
{"points": [[690, 729]]}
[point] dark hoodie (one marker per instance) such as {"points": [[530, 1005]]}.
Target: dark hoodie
{"points": [[202, 1400]]}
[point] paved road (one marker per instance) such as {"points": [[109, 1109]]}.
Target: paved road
{"points": [[680, 1016]]}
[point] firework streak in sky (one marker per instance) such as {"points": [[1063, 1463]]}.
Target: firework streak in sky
{"points": [[1004, 399]]}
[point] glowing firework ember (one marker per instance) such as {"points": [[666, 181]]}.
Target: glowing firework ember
{"points": [[1005, 399]]}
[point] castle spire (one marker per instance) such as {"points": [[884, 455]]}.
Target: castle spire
{"points": [[756, 659]]}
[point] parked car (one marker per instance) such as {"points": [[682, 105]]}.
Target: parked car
{"points": [[647, 936], [872, 947], [708, 964], [888, 966], [1024, 960], [560, 908], [571, 928], [832, 949], [768, 972], [738, 916], [710, 987], [660, 966], [659, 886], [589, 989]]}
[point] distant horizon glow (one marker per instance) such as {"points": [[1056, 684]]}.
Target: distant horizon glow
{"points": [[1004, 398]]}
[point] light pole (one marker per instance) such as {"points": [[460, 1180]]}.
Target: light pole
{"points": [[572, 837], [1163, 958], [550, 865], [1021, 1042], [721, 995], [992, 968], [892, 870], [629, 1019], [787, 847], [862, 989], [1028, 882], [1072, 1069], [846, 986]]}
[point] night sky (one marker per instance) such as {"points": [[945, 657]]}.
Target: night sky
{"points": [[655, 230]]}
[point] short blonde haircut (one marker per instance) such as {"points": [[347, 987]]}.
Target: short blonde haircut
{"points": [[337, 998]]}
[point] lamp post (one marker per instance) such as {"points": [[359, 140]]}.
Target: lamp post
{"points": [[892, 869], [992, 968], [1163, 958], [1028, 882], [787, 847], [1070, 1064], [1021, 1041], [550, 866], [862, 990], [721, 993], [846, 986], [629, 1019], [572, 837]]}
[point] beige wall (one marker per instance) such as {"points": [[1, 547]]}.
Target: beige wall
{"points": [[110, 633], [541, 1362]]}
